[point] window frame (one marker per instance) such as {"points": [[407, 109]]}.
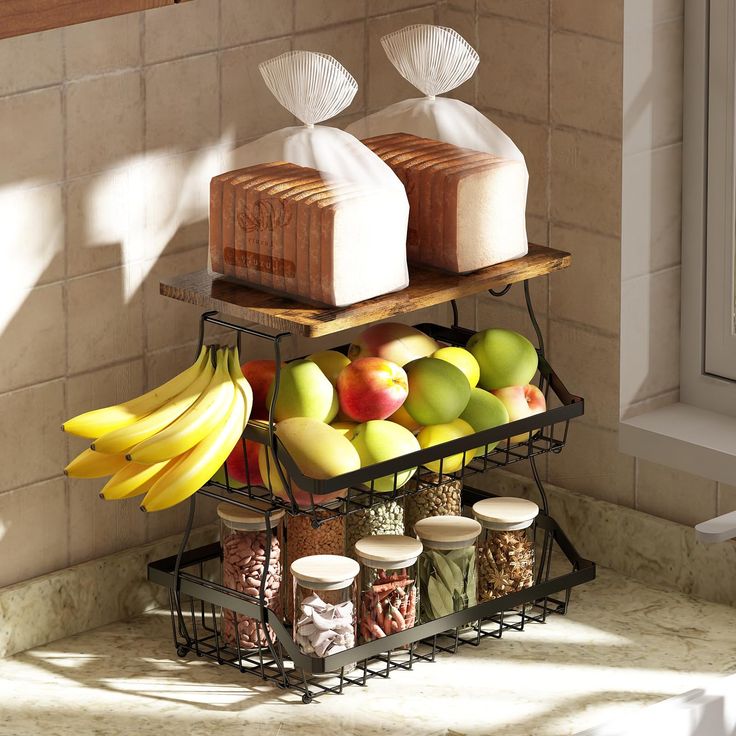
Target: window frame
{"points": [[706, 156]]}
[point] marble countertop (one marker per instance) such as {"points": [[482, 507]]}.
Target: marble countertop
{"points": [[621, 645]]}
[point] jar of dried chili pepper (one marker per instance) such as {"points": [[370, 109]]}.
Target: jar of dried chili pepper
{"points": [[389, 595]]}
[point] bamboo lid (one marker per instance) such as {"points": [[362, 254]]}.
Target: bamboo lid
{"points": [[388, 551], [325, 572], [246, 519], [505, 513], [447, 532]]}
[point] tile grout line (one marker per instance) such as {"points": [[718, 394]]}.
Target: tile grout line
{"points": [[65, 286], [142, 287]]}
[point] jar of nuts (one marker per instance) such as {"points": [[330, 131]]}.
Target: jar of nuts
{"points": [[324, 604], [388, 585], [385, 518], [505, 550], [440, 499], [245, 537], [304, 539], [447, 573]]}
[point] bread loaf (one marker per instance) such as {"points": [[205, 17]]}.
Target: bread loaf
{"points": [[288, 229], [464, 206]]}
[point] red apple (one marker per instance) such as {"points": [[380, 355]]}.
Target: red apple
{"points": [[521, 402], [371, 388], [260, 375], [237, 469]]}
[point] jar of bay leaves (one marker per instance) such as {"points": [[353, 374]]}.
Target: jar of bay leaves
{"points": [[505, 549], [447, 566]]}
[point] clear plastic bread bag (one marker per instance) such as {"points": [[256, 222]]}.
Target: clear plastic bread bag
{"points": [[436, 60], [325, 220]]}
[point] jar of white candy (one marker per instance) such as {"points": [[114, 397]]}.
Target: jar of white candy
{"points": [[245, 537], [324, 604]]}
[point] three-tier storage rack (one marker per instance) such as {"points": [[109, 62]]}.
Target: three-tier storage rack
{"points": [[192, 577]]}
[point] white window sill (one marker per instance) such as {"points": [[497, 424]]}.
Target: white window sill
{"points": [[685, 437]]}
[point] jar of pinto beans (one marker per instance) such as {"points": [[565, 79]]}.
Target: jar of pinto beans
{"points": [[244, 538]]}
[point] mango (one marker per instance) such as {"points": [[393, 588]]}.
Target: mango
{"points": [[392, 341], [318, 450]]}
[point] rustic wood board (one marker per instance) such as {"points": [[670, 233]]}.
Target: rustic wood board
{"points": [[18, 17], [426, 288]]}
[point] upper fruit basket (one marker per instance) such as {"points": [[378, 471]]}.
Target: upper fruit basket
{"points": [[427, 288]]}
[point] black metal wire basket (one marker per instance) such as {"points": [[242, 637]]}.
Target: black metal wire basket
{"points": [[196, 601], [197, 597], [510, 443]]}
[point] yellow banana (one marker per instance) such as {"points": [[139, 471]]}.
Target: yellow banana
{"points": [[93, 424], [126, 437], [241, 382], [131, 480], [202, 462], [202, 418], [91, 464]]}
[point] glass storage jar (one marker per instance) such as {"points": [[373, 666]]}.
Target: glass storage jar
{"points": [[388, 584], [324, 603], [441, 498], [384, 518], [505, 549], [304, 539], [447, 574], [244, 538]]}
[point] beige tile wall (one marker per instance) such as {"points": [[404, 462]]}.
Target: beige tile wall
{"points": [[109, 133], [551, 76], [123, 121]]}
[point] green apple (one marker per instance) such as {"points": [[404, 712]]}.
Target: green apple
{"points": [[438, 391], [304, 391], [462, 359], [484, 411], [439, 433], [331, 363], [505, 357]]}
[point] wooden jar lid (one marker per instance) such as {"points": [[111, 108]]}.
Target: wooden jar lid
{"points": [[447, 532], [325, 572], [388, 551], [505, 513], [247, 520]]}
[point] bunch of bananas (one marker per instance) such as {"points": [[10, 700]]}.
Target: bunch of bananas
{"points": [[170, 441]]}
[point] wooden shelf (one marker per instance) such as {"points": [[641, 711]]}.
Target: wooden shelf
{"points": [[18, 17], [427, 288]]}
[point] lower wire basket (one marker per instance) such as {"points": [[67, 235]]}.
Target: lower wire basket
{"points": [[196, 601]]}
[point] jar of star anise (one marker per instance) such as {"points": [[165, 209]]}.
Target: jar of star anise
{"points": [[505, 546]]}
